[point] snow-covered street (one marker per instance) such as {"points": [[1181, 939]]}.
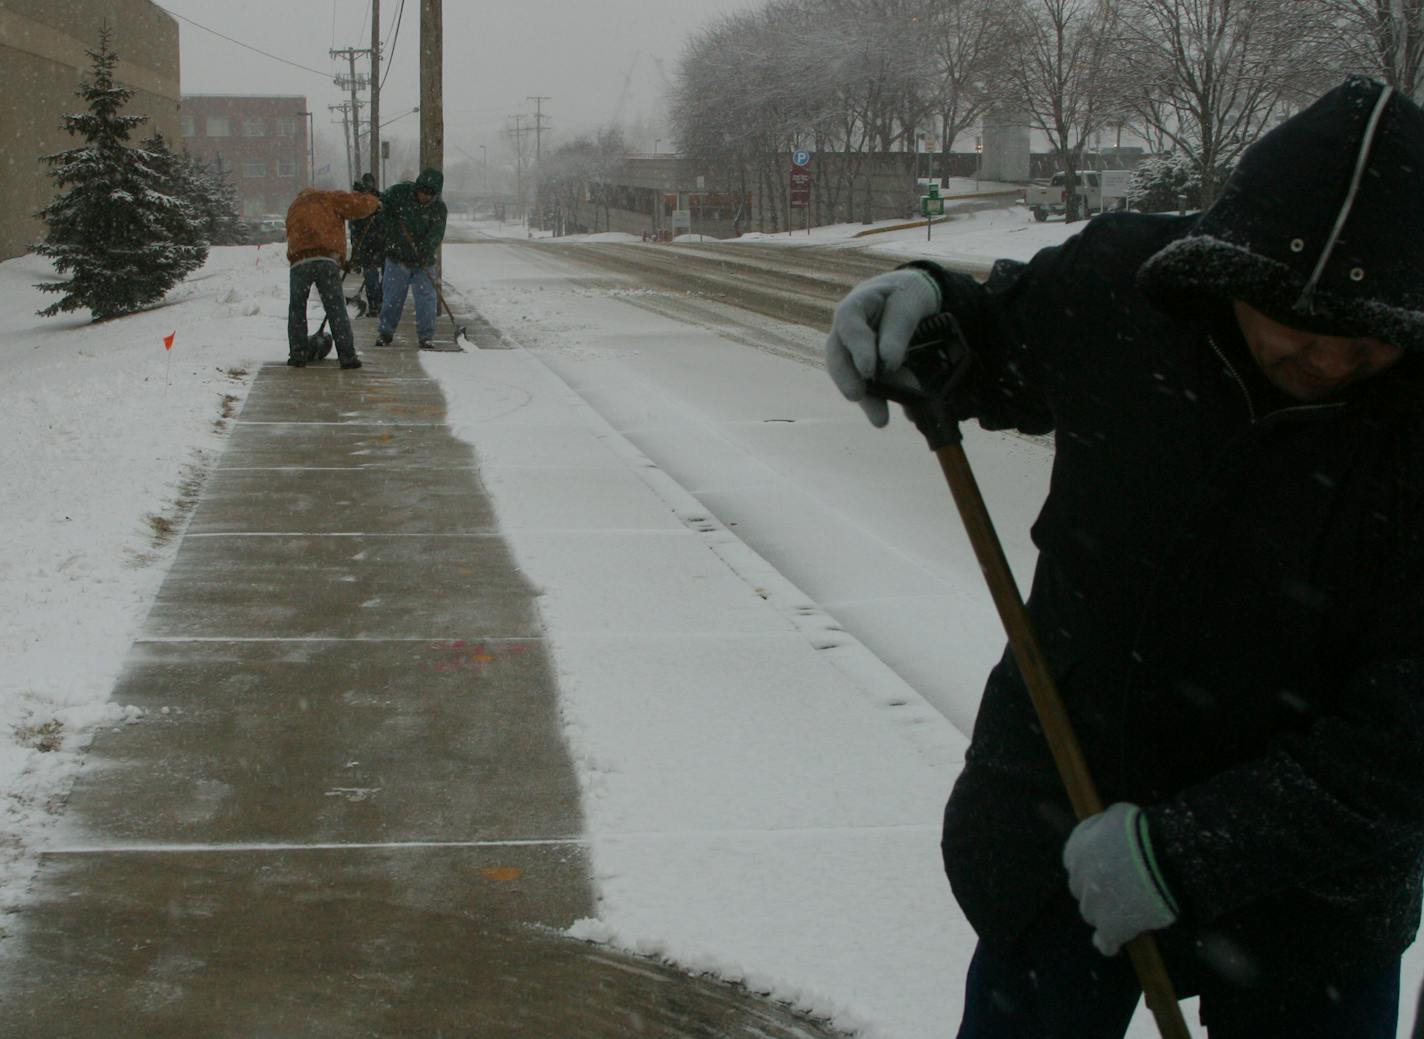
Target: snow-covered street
{"points": [[766, 823]]}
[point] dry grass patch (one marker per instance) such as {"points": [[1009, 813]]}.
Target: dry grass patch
{"points": [[45, 737]]}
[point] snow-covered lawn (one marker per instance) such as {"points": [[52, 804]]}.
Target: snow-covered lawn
{"points": [[105, 437]]}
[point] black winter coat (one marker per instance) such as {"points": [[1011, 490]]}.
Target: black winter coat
{"points": [[368, 240], [1231, 597]]}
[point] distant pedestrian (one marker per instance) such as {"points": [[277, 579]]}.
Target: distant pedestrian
{"points": [[316, 249], [413, 218], [368, 246]]}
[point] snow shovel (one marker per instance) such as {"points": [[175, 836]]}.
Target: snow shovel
{"points": [[460, 333], [462, 339], [935, 357], [320, 342]]}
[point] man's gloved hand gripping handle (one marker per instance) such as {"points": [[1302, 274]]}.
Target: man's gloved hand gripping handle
{"points": [[1115, 878], [871, 332], [890, 341]]}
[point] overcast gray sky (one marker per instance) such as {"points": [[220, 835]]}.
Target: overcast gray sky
{"points": [[497, 54]]}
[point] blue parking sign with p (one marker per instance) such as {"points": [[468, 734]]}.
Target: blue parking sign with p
{"points": [[800, 157]]}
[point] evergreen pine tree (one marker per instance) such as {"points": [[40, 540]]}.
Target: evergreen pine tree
{"points": [[182, 199], [221, 207], [110, 231]]}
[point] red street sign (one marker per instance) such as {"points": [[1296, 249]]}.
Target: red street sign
{"points": [[800, 188]]}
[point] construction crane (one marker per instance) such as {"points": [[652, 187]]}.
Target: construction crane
{"points": [[662, 73], [627, 88]]}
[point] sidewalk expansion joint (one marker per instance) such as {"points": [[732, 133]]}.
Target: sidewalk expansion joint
{"points": [[369, 468], [583, 840], [341, 425], [262, 846], [178, 639], [343, 534]]}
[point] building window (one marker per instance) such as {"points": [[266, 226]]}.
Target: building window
{"points": [[217, 126], [286, 126], [253, 127], [252, 207], [254, 169], [286, 167], [189, 127]]}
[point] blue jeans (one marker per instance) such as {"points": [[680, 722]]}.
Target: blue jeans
{"points": [[326, 276], [1055, 985], [421, 282]]}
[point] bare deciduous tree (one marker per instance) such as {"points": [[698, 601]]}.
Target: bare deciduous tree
{"points": [[1209, 75], [582, 172], [1062, 75], [1380, 38], [971, 43]]}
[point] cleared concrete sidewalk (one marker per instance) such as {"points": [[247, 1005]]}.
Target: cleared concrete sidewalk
{"points": [[348, 809]]}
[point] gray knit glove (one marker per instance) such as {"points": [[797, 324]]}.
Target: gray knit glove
{"points": [[872, 327], [1114, 876]]}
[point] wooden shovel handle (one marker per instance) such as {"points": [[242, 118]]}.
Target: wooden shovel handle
{"points": [[1052, 715]]}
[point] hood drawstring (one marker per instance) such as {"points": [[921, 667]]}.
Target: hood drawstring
{"points": [[1306, 303]]}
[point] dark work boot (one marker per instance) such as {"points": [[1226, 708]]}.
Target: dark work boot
{"points": [[355, 362], [427, 344], [384, 338], [296, 360]]}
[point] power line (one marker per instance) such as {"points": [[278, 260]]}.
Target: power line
{"points": [[391, 50], [394, 19], [256, 50]]}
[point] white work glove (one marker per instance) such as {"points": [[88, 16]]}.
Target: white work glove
{"points": [[874, 322], [1114, 877]]}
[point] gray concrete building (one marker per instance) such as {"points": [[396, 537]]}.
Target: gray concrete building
{"points": [[42, 62], [1006, 146]]}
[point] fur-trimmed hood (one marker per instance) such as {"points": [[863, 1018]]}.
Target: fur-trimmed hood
{"points": [[1321, 226]]}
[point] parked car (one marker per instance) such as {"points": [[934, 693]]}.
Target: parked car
{"points": [[1050, 197], [266, 229]]}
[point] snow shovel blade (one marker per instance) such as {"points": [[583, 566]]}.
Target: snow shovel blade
{"points": [[319, 346]]}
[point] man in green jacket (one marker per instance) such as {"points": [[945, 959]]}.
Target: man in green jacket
{"points": [[414, 220]]}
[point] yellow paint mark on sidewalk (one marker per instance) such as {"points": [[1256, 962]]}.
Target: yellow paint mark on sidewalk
{"points": [[502, 873]]}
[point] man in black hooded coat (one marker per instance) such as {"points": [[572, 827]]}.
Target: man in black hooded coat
{"points": [[1229, 592], [368, 246]]}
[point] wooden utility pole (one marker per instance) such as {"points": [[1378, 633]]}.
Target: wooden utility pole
{"points": [[432, 86], [538, 125], [518, 135], [538, 157], [354, 82], [376, 92]]}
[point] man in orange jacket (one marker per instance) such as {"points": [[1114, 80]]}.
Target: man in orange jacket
{"points": [[316, 249]]}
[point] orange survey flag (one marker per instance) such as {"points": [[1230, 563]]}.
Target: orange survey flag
{"points": [[168, 340]]}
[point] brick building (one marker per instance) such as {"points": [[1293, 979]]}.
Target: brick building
{"points": [[42, 62], [262, 140]]}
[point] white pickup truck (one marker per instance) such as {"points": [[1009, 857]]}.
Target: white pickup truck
{"points": [[1051, 197]]}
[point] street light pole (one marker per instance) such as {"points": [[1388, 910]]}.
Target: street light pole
{"points": [[311, 148]]}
